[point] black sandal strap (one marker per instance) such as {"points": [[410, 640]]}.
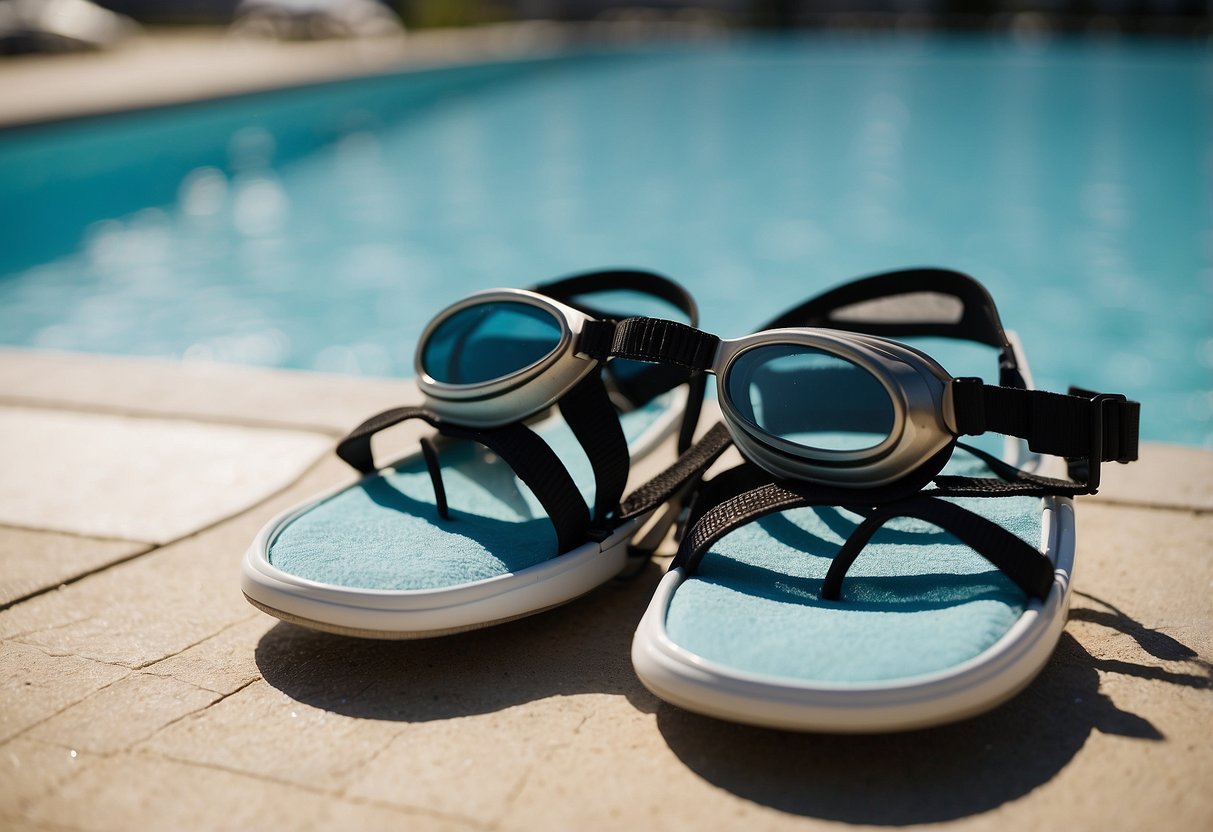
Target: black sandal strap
{"points": [[978, 320], [590, 415], [522, 449], [1029, 569], [688, 467], [743, 495], [569, 289]]}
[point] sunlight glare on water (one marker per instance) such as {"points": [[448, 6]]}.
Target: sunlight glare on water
{"points": [[321, 229]]}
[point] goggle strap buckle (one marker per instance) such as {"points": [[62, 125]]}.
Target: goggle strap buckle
{"points": [[1105, 425], [667, 342], [968, 406], [596, 339]]}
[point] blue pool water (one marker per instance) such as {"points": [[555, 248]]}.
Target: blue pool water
{"points": [[320, 228]]}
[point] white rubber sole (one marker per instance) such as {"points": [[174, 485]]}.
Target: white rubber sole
{"points": [[1005, 668], [422, 613], [425, 613], [690, 681]]}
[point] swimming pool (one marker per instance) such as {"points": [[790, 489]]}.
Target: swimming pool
{"points": [[321, 227]]}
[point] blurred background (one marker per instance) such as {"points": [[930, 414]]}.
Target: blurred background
{"points": [[321, 18], [304, 183]]}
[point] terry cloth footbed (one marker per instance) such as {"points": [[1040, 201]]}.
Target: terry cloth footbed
{"points": [[926, 631], [384, 532], [917, 601]]}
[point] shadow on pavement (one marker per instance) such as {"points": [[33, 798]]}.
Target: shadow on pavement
{"points": [[584, 647], [581, 647], [941, 773]]}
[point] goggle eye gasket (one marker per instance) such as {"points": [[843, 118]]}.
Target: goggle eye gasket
{"points": [[520, 393], [914, 383]]}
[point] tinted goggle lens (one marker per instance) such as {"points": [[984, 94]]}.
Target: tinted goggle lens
{"points": [[810, 398], [489, 341]]}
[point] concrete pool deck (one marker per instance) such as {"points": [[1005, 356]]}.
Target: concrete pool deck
{"points": [[140, 690]]}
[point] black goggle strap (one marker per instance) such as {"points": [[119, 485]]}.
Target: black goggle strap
{"points": [[1083, 426], [1028, 568], [892, 314], [651, 339], [521, 448], [640, 385]]}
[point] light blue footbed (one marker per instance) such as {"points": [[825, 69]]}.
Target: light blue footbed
{"points": [[916, 600], [384, 532]]}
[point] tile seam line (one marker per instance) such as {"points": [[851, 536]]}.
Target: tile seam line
{"points": [[145, 667], [134, 672], [137, 412], [148, 548], [134, 668], [155, 547], [24, 732], [1130, 503], [361, 801], [219, 697], [99, 538], [47, 826], [520, 787]]}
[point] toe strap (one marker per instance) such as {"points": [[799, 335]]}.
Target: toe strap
{"points": [[532, 460], [1029, 569]]}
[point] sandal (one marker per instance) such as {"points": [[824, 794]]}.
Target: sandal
{"points": [[864, 571], [512, 507]]}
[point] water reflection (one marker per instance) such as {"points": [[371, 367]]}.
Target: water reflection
{"points": [[1073, 179]]}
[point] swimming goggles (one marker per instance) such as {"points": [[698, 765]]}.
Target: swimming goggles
{"points": [[503, 355], [821, 396]]}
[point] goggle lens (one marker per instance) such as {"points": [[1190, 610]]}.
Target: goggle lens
{"points": [[489, 341], [810, 398]]}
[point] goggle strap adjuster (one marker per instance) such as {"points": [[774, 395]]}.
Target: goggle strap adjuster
{"points": [[968, 406], [667, 342], [596, 338]]}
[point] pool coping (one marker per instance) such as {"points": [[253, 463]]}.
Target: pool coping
{"points": [[1167, 475], [166, 67]]}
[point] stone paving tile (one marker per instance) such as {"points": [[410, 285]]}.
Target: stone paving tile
{"points": [[21, 824], [30, 769], [584, 783], [1171, 476], [263, 732], [139, 612], [139, 478], [470, 765], [1110, 735], [34, 561], [35, 686], [161, 603], [223, 663], [139, 791], [204, 392], [119, 716], [547, 719]]}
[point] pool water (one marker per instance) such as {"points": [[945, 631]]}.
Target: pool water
{"points": [[320, 228]]}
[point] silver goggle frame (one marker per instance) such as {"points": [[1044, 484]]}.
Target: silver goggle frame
{"points": [[518, 394], [916, 385]]}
